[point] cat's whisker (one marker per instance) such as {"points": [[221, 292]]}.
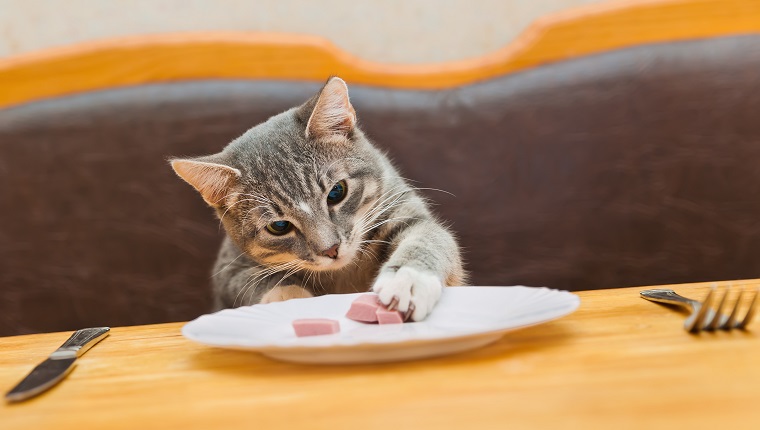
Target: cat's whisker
{"points": [[387, 194], [252, 197], [246, 200], [228, 195], [364, 221], [259, 197], [388, 206], [264, 213], [367, 251], [289, 273], [257, 277], [356, 263], [377, 224], [309, 275], [388, 200], [381, 208], [252, 280], [290, 268], [281, 268], [248, 212], [258, 221], [433, 189], [372, 253], [319, 278], [386, 221], [221, 218], [375, 241], [244, 288], [363, 224], [227, 266], [398, 177], [379, 203]]}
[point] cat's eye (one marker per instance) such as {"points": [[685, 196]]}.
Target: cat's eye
{"points": [[278, 228], [337, 193]]}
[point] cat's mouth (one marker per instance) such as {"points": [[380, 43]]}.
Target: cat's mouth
{"points": [[325, 264], [345, 255]]}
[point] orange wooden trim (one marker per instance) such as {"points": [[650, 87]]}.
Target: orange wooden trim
{"points": [[175, 57]]}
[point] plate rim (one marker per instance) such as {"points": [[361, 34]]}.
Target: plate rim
{"points": [[384, 345]]}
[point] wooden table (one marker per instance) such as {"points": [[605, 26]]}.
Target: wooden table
{"points": [[619, 362]]}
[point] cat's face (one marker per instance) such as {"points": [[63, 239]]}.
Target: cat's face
{"points": [[311, 211], [297, 191]]}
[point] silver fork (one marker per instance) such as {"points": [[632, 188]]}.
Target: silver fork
{"points": [[702, 316]]}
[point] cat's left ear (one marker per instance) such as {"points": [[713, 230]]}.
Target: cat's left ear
{"points": [[333, 114], [214, 181]]}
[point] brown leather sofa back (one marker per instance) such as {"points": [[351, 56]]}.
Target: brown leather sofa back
{"points": [[633, 167]]}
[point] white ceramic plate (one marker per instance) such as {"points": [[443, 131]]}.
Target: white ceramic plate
{"points": [[464, 319]]}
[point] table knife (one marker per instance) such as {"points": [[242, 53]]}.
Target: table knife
{"points": [[58, 365]]}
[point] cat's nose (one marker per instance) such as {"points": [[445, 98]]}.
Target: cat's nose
{"points": [[331, 252]]}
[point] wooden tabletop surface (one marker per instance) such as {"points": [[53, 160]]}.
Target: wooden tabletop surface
{"points": [[618, 362]]}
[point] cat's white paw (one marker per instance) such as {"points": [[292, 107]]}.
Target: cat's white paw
{"points": [[280, 294], [410, 287]]}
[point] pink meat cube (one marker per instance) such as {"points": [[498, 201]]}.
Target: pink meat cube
{"points": [[364, 308], [385, 316], [315, 327]]}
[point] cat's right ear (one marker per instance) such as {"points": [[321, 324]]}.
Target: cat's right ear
{"points": [[213, 181], [331, 113]]}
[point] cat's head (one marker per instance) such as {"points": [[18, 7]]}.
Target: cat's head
{"points": [[297, 188]]}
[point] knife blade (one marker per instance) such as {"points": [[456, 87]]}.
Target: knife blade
{"points": [[58, 364]]}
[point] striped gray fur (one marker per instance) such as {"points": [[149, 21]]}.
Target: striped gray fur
{"points": [[282, 169]]}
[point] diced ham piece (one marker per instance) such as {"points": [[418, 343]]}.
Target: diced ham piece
{"points": [[315, 327], [368, 308], [364, 308], [385, 316]]}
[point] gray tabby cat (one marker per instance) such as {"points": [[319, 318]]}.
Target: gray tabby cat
{"points": [[310, 207]]}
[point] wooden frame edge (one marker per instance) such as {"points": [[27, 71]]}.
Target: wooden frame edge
{"points": [[189, 56]]}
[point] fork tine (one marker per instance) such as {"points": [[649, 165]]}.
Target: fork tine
{"points": [[731, 323], [717, 316], [698, 323], [750, 312]]}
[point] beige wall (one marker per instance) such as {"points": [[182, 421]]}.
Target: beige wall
{"points": [[410, 31]]}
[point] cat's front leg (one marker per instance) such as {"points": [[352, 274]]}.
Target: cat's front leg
{"points": [[426, 258], [412, 291], [239, 282], [287, 292]]}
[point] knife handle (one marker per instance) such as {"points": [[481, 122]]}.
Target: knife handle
{"points": [[80, 342]]}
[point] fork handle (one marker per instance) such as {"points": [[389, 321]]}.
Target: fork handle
{"points": [[670, 297]]}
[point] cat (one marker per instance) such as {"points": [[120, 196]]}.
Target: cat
{"points": [[310, 207]]}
